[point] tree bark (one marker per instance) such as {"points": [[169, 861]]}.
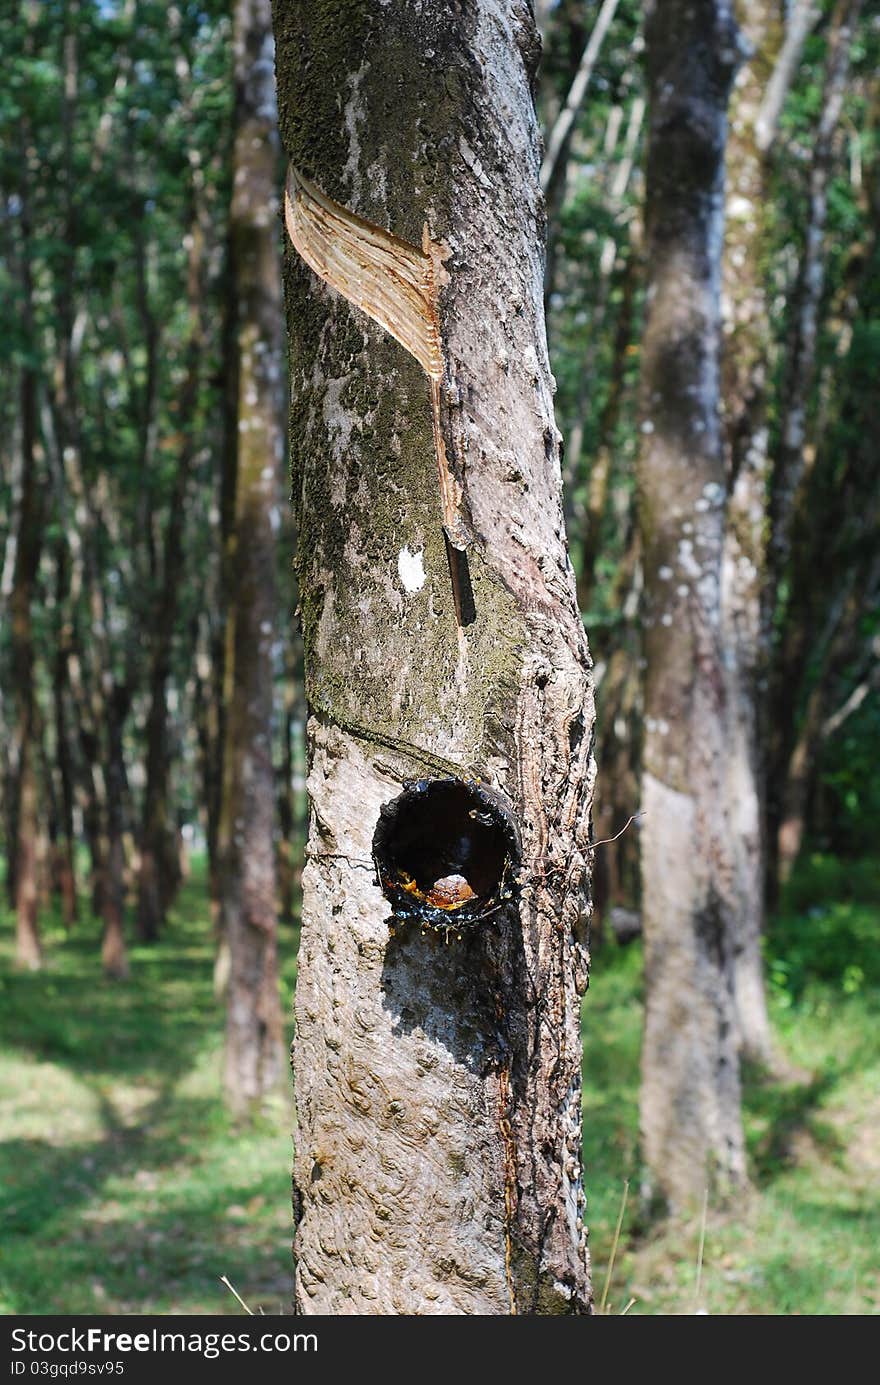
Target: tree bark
{"points": [[159, 873], [100, 701], [800, 361], [290, 827], [113, 952], [616, 882], [66, 866], [790, 551], [746, 366], [690, 1102], [438, 1152], [254, 1057], [28, 949]]}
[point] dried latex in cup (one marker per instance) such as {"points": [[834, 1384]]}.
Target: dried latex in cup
{"points": [[447, 853]]}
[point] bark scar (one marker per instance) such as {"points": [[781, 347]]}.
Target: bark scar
{"points": [[397, 285]]}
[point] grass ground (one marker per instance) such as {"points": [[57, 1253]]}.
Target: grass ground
{"points": [[124, 1187]]}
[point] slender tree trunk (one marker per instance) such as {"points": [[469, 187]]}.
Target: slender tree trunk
{"points": [[64, 759], [588, 517], [438, 1085], [618, 735], [593, 514], [690, 1104], [791, 460], [290, 830], [208, 694], [555, 163], [800, 361], [157, 879], [801, 20], [254, 1057], [217, 699], [113, 953], [560, 134], [159, 873], [28, 949], [746, 366]]}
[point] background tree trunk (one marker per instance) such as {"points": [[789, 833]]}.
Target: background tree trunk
{"points": [[438, 1087], [159, 874], [65, 762], [690, 1103], [791, 462], [746, 366], [28, 950], [254, 1057]]}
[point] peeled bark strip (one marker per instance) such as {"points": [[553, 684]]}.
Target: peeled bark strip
{"points": [[254, 1057], [690, 1105], [394, 283], [438, 1086]]}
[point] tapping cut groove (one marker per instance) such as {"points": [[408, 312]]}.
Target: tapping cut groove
{"points": [[397, 285], [393, 282]]}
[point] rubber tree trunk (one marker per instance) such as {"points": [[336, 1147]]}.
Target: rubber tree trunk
{"points": [[28, 948], [254, 1059], [791, 462], [113, 951], [690, 1102], [65, 762], [159, 875], [438, 1153], [746, 367]]}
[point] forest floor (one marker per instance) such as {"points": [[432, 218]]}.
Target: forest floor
{"points": [[124, 1187]]}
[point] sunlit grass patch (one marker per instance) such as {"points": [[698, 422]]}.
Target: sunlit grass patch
{"points": [[124, 1186]]}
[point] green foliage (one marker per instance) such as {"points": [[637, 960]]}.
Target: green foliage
{"points": [[114, 120], [850, 784], [827, 931]]}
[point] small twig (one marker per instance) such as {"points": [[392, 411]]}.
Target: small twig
{"points": [[614, 1245], [606, 841], [702, 1244], [232, 1290], [625, 1310]]}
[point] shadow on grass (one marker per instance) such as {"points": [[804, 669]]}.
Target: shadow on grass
{"points": [[71, 1246], [781, 1112], [161, 1194]]}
